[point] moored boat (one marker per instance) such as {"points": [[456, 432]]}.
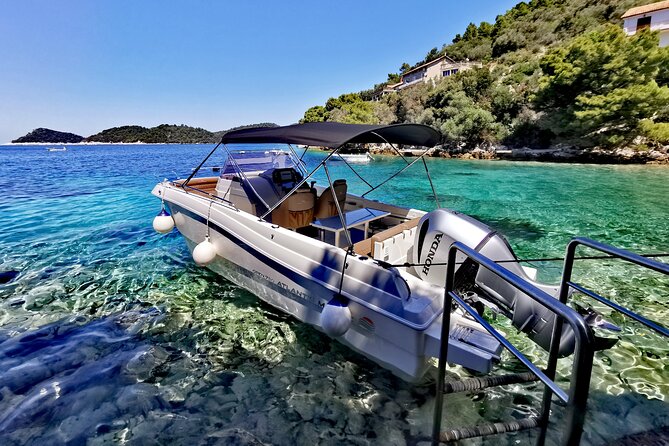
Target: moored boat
{"points": [[368, 274]]}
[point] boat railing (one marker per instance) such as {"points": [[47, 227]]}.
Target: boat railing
{"points": [[566, 285], [575, 398], [614, 253]]}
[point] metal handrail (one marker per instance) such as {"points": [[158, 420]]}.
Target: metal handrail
{"points": [[618, 253], [577, 397], [566, 284]]}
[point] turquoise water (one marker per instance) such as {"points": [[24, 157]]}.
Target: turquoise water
{"points": [[110, 334]]}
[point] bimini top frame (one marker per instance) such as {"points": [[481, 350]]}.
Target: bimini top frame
{"points": [[333, 135]]}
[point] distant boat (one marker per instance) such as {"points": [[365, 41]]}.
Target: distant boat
{"points": [[56, 149], [354, 155]]}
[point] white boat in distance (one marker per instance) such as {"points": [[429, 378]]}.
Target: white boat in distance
{"points": [[56, 149], [330, 258], [352, 155]]}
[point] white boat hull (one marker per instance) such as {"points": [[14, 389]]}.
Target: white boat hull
{"points": [[300, 275]]}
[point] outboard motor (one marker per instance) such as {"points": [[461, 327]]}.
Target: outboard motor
{"points": [[438, 229]]}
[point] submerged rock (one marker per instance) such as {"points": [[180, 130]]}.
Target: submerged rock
{"points": [[8, 276]]}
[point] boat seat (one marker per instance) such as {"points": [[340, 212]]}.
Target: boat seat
{"points": [[200, 186], [366, 247], [325, 206], [296, 211]]}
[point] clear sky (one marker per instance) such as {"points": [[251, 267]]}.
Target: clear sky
{"points": [[82, 66]]}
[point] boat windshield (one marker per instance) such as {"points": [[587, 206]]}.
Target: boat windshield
{"points": [[251, 162]]}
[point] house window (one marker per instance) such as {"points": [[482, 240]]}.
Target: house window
{"points": [[447, 73], [642, 23], [454, 71]]}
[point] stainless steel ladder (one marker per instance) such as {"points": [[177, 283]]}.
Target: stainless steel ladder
{"points": [[576, 397]]}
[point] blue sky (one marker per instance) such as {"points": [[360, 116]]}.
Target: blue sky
{"points": [[84, 66]]}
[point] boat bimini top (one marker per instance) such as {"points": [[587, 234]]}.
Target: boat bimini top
{"points": [[331, 135]]}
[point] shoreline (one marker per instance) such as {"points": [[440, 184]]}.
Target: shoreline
{"points": [[566, 155], [569, 155]]}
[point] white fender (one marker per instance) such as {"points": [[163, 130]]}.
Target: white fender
{"points": [[204, 253], [163, 222], [335, 318]]}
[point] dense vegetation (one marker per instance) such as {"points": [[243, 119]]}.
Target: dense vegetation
{"points": [[155, 135], [165, 133], [49, 136], [555, 72]]}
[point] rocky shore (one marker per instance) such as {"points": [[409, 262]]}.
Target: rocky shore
{"points": [[565, 154]]}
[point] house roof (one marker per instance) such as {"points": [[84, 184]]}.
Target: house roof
{"points": [[392, 87], [432, 62], [646, 9]]}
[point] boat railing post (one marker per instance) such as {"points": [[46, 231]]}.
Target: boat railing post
{"points": [[190, 177], [339, 211], [443, 347], [577, 397], [584, 363], [297, 160]]}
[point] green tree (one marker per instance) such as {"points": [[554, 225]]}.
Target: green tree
{"points": [[393, 78], [404, 68], [346, 98], [598, 87], [317, 113], [485, 29], [471, 33], [432, 54], [465, 124]]}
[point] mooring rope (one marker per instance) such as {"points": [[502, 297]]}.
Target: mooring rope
{"points": [[541, 259]]}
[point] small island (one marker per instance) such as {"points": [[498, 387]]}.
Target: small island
{"points": [[42, 135], [135, 134]]}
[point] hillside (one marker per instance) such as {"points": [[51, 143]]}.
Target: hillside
{"points": [[42, 135], [165, 134], [162, 134], [555, 73]]}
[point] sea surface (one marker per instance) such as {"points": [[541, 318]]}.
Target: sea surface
{"points": [[110, 334]]}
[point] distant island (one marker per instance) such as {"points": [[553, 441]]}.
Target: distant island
{"points": [[162, 134], [43, 135]]}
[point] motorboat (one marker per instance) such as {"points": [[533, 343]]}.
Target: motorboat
{"points": [[354, 155], [56, 149], [368, 274]]}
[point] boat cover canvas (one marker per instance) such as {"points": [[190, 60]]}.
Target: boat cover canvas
{"points": [[335, 134]]}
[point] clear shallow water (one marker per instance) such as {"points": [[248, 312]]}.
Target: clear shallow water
{"points": [[109, 333]]}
